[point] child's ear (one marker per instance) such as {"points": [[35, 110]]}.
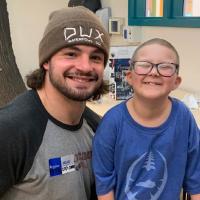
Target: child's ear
{"points": [[177, 82], [129, 77]]}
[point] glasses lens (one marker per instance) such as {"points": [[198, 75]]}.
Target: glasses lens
{"points": [[166, 69], [141, 67]]}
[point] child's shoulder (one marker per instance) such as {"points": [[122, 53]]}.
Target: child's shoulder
{"points": [[116, 110], [178, 102], [179, 106], [113, 117], [119, 107]]}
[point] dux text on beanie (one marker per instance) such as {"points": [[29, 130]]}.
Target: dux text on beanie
{"points": [[73, 26]]}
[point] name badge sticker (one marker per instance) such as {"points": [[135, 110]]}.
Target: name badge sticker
{"points": [[55, 167], [61, 165], [68, 164]]}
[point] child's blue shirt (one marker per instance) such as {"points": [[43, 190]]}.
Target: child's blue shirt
{"points": [[142, 163]]}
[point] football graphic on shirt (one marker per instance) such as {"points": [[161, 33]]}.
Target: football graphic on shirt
{"points": [[150, 181]]}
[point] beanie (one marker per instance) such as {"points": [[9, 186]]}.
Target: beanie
{"points": [[73, 26]]}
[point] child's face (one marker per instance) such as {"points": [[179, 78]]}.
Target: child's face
{"points": [[153, 85]]}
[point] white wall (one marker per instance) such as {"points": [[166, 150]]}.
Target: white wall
{"points": [[28, 19], [119, 8], [27, 22]]}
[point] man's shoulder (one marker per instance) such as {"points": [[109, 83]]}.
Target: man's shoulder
{"points": [[16, 106], [21, 111]]}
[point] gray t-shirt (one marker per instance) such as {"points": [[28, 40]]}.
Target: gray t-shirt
{"points": [[42, 158]]}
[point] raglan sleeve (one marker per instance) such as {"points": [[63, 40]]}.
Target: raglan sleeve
{"points": [[103, 154], [191, 182], [7, 159], [12, 151]]}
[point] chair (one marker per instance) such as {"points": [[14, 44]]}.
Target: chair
{"points": [[186, 196]]}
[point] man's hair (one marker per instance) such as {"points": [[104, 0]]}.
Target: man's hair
{"points": [[159, 41], [35, 80]]}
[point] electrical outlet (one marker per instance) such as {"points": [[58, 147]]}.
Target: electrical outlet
{"points": [[132, 33]]}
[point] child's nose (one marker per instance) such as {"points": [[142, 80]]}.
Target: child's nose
{"points": [[154, 70]]}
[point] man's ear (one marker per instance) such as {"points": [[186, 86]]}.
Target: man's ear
{"points": [[46, 65]]}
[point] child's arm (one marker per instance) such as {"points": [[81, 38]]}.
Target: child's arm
{"points": [[103, 151], [195, 197], [109, 196]]}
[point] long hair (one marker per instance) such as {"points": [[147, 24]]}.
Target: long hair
{"points": [[35, 80]]}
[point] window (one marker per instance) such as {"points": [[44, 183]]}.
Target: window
{"points": [[154, 8], [177, 13], [191, 8]]}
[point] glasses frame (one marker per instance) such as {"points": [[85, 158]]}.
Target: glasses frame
{"points": [[132, 63]]}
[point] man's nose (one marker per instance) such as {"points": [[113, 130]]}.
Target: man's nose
{"points": [[84, 63]]}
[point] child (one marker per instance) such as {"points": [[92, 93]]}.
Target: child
{"points": [[147, 148]]}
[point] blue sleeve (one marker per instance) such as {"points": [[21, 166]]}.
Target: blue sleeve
{"points": [[192, 175], [103, 155]]}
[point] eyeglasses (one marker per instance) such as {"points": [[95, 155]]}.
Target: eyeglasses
{"points": [[144, 67]]}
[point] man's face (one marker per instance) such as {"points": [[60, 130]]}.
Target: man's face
{"points": [[76, 72]]}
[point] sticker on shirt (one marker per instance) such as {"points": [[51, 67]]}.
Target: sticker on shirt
{"points": [[61, 165]]}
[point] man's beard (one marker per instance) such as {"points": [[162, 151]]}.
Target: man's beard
{"points": [[70, 93]]}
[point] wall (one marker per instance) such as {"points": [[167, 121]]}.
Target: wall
{"points": [[28, 18], [186, 40], [27, 22]]}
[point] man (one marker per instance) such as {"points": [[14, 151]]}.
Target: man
{"points": [[45, 133]]}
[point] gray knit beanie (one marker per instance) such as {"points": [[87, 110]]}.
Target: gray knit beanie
{"points": [[73, 26]]}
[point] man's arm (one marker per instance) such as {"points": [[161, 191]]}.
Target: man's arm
{"points": [[110, 196], [195, 197]]}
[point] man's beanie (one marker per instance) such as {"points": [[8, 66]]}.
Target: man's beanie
{"points": [[73, 26]]}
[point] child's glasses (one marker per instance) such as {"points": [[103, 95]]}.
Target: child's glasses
{"points": [[144, 67]]}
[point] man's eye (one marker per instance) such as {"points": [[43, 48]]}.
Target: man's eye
{"points": [[71, 54], [97, 58]]}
